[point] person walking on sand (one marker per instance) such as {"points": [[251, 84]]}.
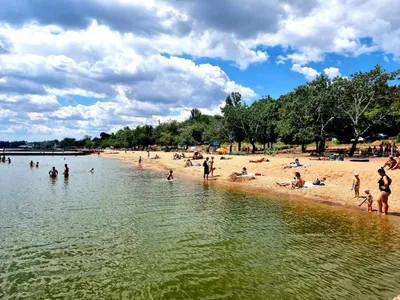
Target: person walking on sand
{"points": [[206, 169], [356, 185], [211, 166], [148, 153], [140, 160], [384, 188]]}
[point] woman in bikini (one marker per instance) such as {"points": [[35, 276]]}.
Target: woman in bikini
{"points": [[384, 186]]}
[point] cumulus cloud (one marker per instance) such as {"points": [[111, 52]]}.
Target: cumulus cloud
{"points": [[97, 65], [332, 72], [309, 73]]}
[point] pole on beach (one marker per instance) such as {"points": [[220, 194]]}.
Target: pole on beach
{"points": [[362, 202]]}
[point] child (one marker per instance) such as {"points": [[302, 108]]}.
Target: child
{"points": [[356, 185], [170, 176], [369, 198]]}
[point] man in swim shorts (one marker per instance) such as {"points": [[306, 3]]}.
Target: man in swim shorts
{"points": [[206, 169]]}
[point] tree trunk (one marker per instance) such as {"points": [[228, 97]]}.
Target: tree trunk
{"points": [[239, 146], [322, 146], [353, 147], [230, 147], [303, 148], [254, 148]]}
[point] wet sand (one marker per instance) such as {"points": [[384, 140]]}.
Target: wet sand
{"points": [[339, 176]]}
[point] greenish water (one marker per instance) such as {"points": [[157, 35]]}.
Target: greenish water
{"points": [[122, 233]]}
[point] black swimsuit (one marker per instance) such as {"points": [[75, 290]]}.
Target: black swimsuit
{"points": [[381, 183]]}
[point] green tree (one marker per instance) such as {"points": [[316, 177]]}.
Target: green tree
{"points": [[365, 99]]}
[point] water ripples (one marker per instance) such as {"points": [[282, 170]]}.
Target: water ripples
{"points": [[123, 234]]}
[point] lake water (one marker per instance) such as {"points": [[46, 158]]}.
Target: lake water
{"points": [[126, 233]]}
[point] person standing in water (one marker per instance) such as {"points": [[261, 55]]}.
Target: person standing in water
{"points": [[170, 176], [53, 172], [384, 187], [66, 170], [37, 164], [32, 164], [206, 169], [9, 160]]}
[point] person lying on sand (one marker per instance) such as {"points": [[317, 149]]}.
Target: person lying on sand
{"points": [[297, 182], [224, 158], [294, 164], [319, 181], [155, 157], [244, 172], [391, 163], [259, 160]]}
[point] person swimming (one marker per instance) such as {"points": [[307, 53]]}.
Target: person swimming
{"points": [[91, 170], [53, 172], [66, 170], [170, 176]]}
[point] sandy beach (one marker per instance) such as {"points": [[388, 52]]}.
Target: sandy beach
{"points": [[339, 176]]}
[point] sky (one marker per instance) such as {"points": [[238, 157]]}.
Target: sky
{"points": [[70, 68]]}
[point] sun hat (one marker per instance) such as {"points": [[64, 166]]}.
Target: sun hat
{"points": [[366, 190], [355, 173]]}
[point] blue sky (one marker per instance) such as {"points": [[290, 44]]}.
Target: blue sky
{"points": [[72, 68]]}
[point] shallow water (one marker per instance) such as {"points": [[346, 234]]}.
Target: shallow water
{"points": [[123, 233]]}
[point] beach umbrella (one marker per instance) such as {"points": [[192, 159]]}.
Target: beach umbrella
{"points": [[154, 147], [222, 150]]}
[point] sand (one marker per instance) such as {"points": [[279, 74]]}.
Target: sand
{"points": [[339, 176]]}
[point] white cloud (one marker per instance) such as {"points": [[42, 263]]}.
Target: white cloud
{"points": [[332, 72], [135, 61], [309, 73]]}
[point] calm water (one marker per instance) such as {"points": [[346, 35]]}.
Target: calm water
{"points": [[122, 233]]}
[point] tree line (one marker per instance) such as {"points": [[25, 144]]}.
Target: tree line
{"points": [[344, 108]]}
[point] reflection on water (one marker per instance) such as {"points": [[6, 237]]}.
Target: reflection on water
{"points": [[126, 234]]}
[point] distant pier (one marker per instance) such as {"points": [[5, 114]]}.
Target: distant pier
{"points": [[14, 152]]}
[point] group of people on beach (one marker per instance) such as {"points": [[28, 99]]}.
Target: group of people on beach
{"points": [[384, 150], [3, 159], [384, 183]]}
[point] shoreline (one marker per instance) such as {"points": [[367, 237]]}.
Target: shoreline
{"points": [[336, 193]]}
